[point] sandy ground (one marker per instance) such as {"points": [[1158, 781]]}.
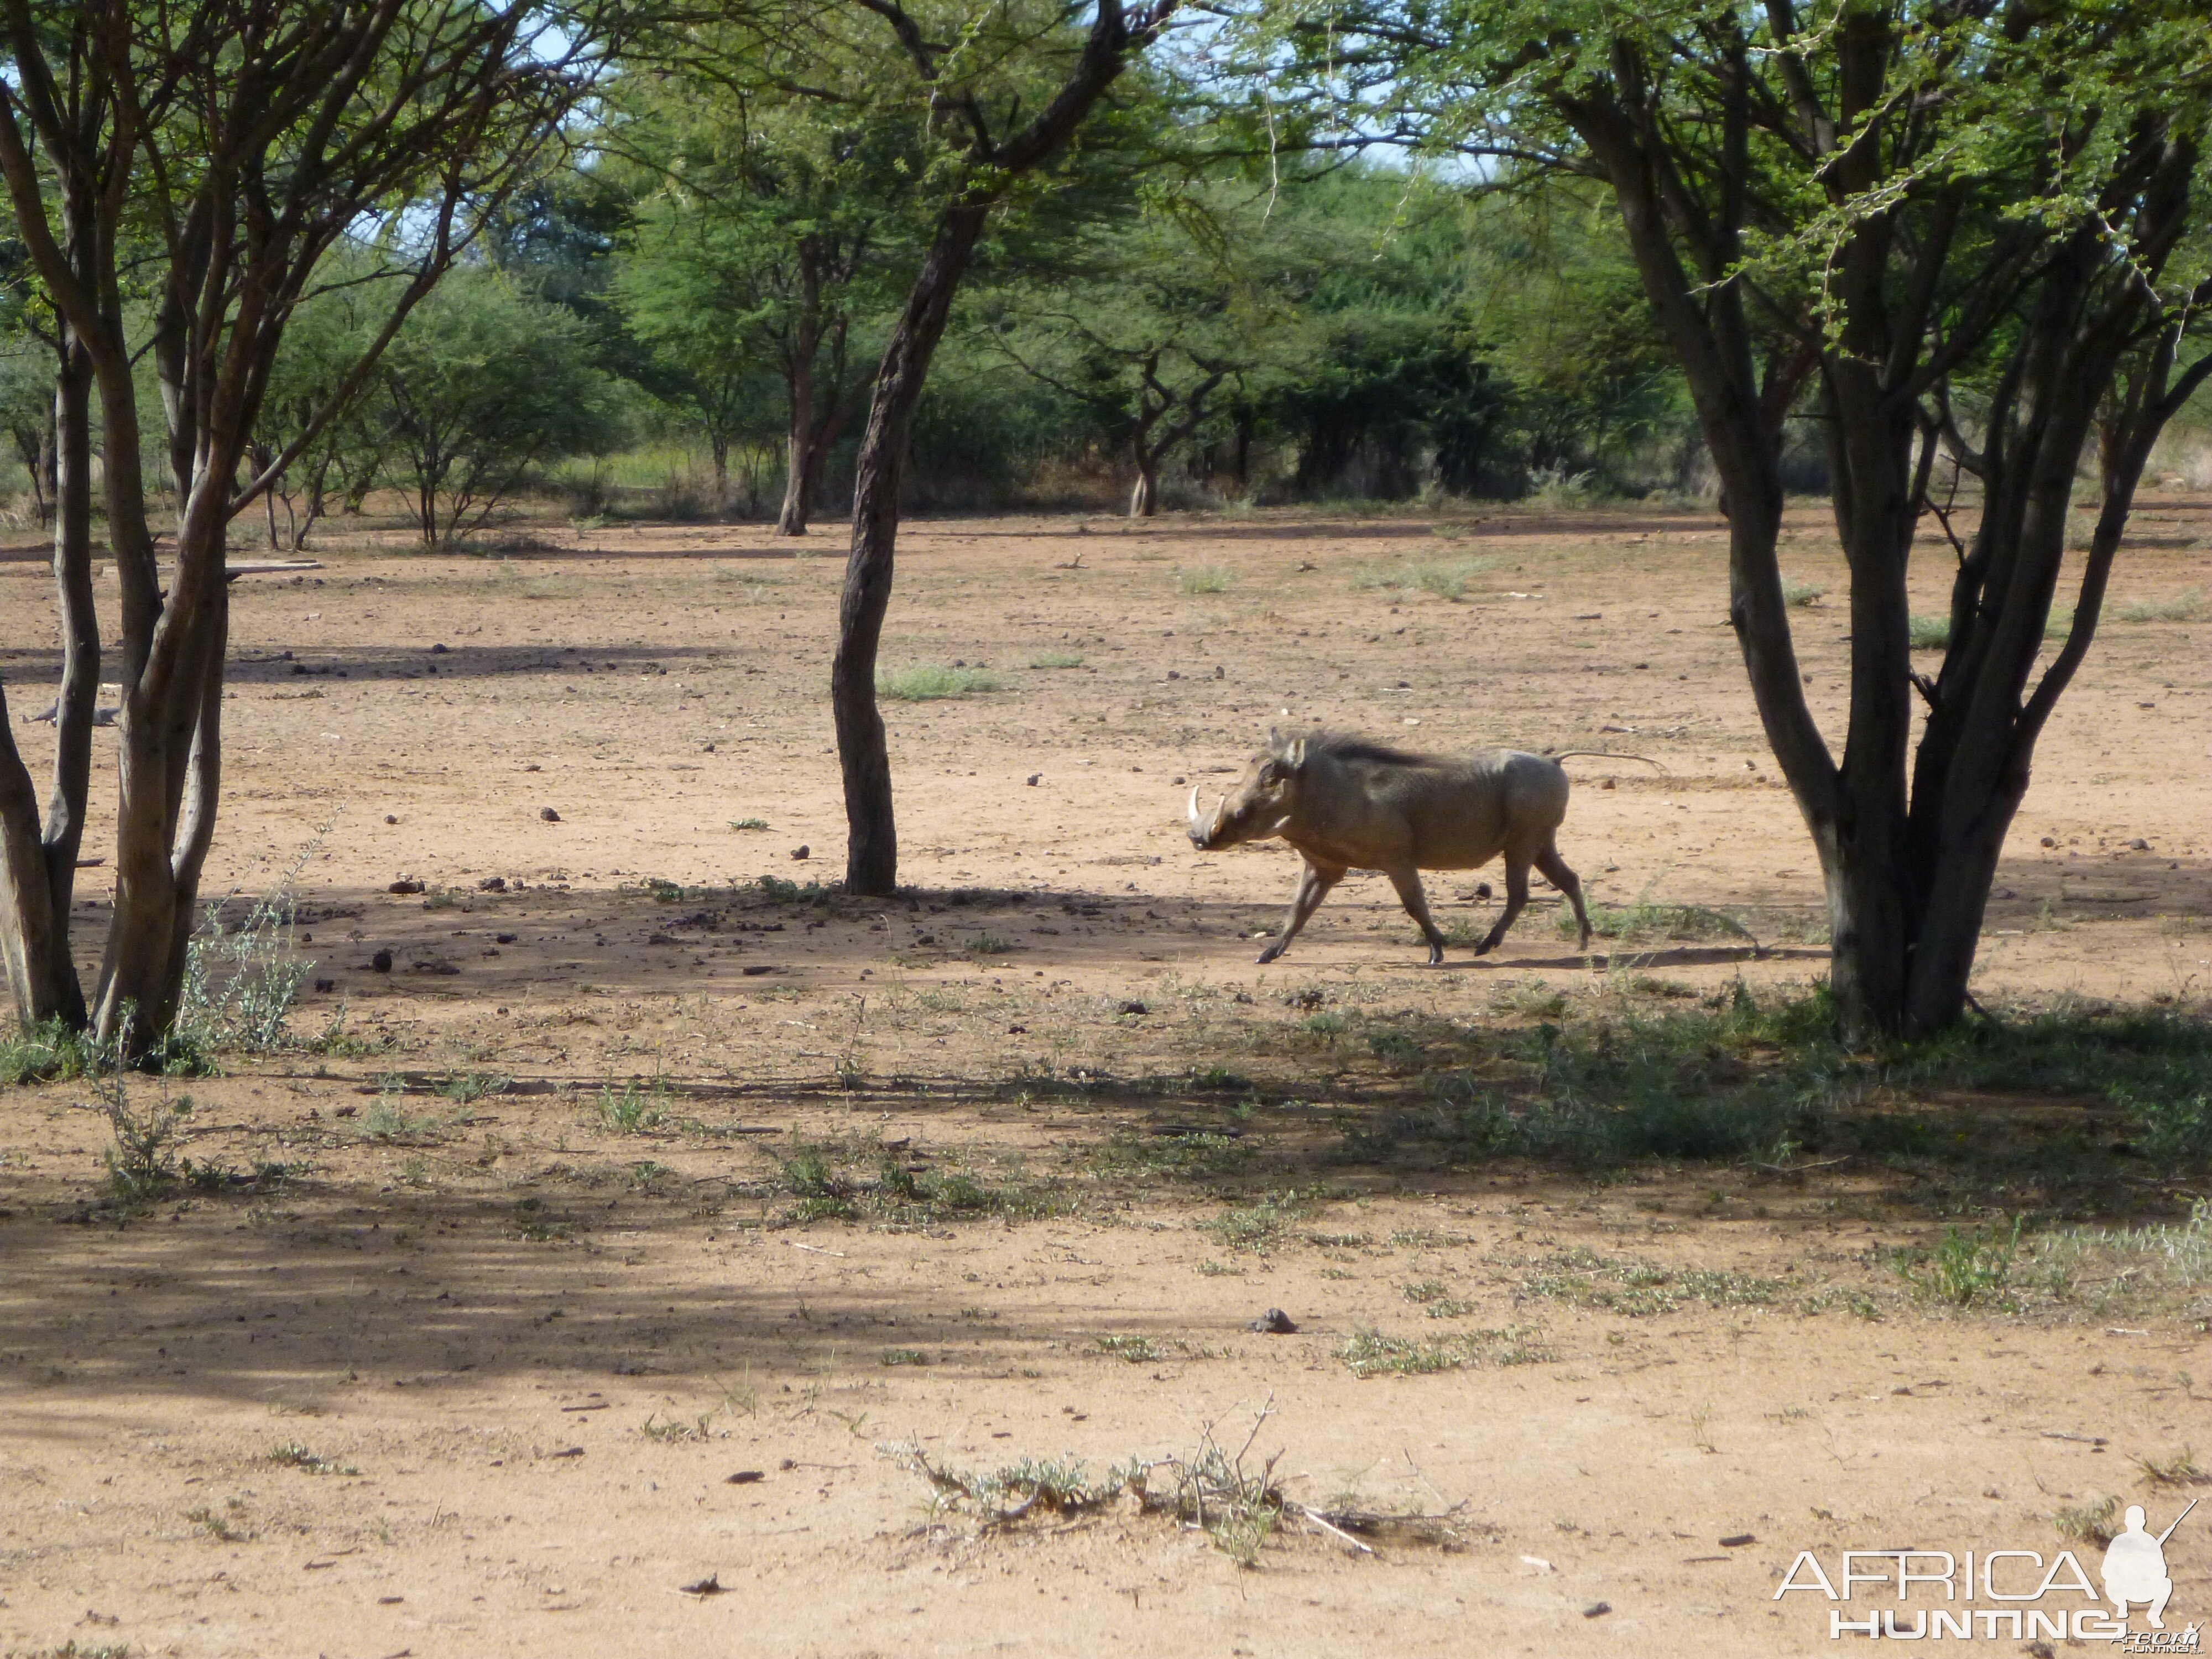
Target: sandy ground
{"points": [[518, 1354]]}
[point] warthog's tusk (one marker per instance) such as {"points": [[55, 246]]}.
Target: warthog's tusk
{"points": [[1220, 808], [1192, 808]]}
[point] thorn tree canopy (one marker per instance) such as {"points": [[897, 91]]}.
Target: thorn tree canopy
{"points": [[215, 152], [1968, 238]]}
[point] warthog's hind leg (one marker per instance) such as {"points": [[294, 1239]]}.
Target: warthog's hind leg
{"points": [[1407, 881], [1313, 883], [1516, 900], [1556, 872]]}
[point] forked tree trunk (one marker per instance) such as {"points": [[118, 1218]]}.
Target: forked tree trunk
{"points": [[37, 862], [872, 850], [1908, 860]]}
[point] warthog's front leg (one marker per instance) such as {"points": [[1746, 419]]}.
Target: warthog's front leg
{"points": [[1407, 881], [1313, 883]]}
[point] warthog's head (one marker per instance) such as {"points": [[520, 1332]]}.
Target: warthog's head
{"points": [[1264, 800]]}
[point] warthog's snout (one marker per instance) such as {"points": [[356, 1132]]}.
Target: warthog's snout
{"points": [[1202, 833]]}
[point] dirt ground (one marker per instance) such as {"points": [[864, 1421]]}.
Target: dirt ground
{"points": [[498, 1323]]}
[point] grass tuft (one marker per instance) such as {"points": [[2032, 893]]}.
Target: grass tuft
{"points": [[1205, 579], [924, 681]]}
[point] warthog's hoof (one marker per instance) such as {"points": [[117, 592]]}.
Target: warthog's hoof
{"points": [[1436, 956], [1269, 954]]}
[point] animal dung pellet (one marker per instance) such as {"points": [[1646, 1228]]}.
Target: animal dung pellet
{"points": [[405, 885]]}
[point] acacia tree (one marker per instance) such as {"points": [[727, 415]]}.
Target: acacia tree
{"points": [[1967, 239], [242, 140], [766, 241], [1146, 325]]}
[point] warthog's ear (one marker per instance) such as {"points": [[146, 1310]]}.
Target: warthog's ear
{"points": [[1294, 757]]}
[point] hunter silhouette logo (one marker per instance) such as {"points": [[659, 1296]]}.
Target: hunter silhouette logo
{"points": [[2134, 1566]]}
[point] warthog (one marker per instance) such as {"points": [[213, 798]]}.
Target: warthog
{"points": [[1347, 804]]}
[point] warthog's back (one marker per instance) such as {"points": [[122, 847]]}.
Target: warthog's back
{"points": [[1371, 808]]}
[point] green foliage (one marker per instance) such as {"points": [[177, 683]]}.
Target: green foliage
{"points": [[1967, 1268], [483, 385], [48, 1053]]}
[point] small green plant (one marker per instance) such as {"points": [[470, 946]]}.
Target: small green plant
{"points": [[1204, 579], [2089, 1523], [748, 824], [988, 945], [1967, 1268], [1057, 660], [639, 1108], [142, 1161], [48, 1053], [678, 1429], [904, 1356], [1794, 593], [1433, 1299], [390, 1122], [923, 681], [1930, 632], [2179, 1469], [1370, 1353], [218, 1525], [293, 1455], [466, 1088], [1137, 1350], [241, 983]]}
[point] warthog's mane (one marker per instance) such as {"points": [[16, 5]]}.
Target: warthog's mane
{"points": [[1344, 746]]}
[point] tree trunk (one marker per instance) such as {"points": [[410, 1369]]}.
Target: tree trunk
{"points": [[1144, 499], [799, 464], [720, 443], [871, 850]]}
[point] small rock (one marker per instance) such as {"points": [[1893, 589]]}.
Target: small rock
{"points": [[1597, 1609], [1275, 1322], [743, 1478], [1607, 784], [1033, 778], [390, 818], [1736, 1540], [1482, 890], [437, 650], [2139, 844], [710, 1585], [2050, 840], [754, 969], [800, 851], [1219, 672], [548, 815], [1174, 674], [706, 748], [1179, 782], [405, 885], [382, 962], [1133, 1006], [503, 938], [492, 884], [326, 986]]}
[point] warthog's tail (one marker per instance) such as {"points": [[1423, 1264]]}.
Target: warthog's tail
{"points": [[1603, 754]]}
